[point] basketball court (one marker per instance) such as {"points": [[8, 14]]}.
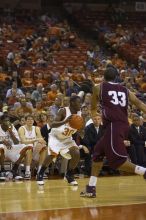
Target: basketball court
{"points": [[118, 198]]}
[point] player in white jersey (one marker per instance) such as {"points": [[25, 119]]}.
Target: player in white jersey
{"points": [[31, 135], [10, 147], [60, 138], [61, 142]]}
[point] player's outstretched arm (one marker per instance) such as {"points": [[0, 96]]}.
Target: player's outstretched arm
{"points": [[137, 102], [59, 119], [94, 100]]}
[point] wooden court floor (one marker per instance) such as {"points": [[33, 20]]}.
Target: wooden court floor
{"points": [[118, 198]]}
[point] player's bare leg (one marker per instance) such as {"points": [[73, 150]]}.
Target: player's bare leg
{"points": [[42, 158], [23, 154], [127, 166], [90, 190], [132, 168], [28, 161], [48, 160], [2, 170], [73, 162]]}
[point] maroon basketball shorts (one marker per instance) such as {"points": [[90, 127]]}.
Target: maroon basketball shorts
{"points": [[112, 145]]}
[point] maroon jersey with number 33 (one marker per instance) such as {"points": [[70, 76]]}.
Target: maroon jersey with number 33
{"points": [[114, 102]]}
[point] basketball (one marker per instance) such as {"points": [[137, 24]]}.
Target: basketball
{"points": [[76, 122]]}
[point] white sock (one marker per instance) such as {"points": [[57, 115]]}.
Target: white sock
{"points": [[39, 168], [28, 169], [93, 181], [140, 170]]}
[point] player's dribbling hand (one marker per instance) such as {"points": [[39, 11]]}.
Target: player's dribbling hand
{"points": [[68, 119]]}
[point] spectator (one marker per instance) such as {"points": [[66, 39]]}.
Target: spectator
{"points": [[24, 107], [13, 93], [37, 94], [55, 107], [137, 138], [45, 130], [52, 94]]}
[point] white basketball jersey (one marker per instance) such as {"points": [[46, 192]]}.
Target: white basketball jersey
{"points": [[64, 131], [30, 135], [6, 136]]}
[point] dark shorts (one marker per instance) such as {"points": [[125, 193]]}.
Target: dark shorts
{"points": [[112, 145]]}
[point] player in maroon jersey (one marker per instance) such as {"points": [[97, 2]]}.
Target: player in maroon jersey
{"points": [[113, 98]]}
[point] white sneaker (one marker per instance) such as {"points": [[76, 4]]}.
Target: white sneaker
{"points": [[27, 176], [9, 175], [71, 181], [40, 180], [2, 176], [18, 178]]}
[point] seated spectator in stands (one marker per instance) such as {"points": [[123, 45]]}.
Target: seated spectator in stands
{"points": [[55, 75], [13, 93], [24, 107], [90, 64], [66, 101], [31, 136], [21, 122], [117, 61], [45, 130], [43, 119], [16, 76], [36, 116], [11, 148], [52, 94], [55, 107], [62, 87], [86, 114], [40, 79], [45, 102], [142, 60], [137, 138], [38, 107], [19, 100], [93, 133], [37, 94], [28, 98], [60, 96], [133, 70], [77, 76], [71, 88]]}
